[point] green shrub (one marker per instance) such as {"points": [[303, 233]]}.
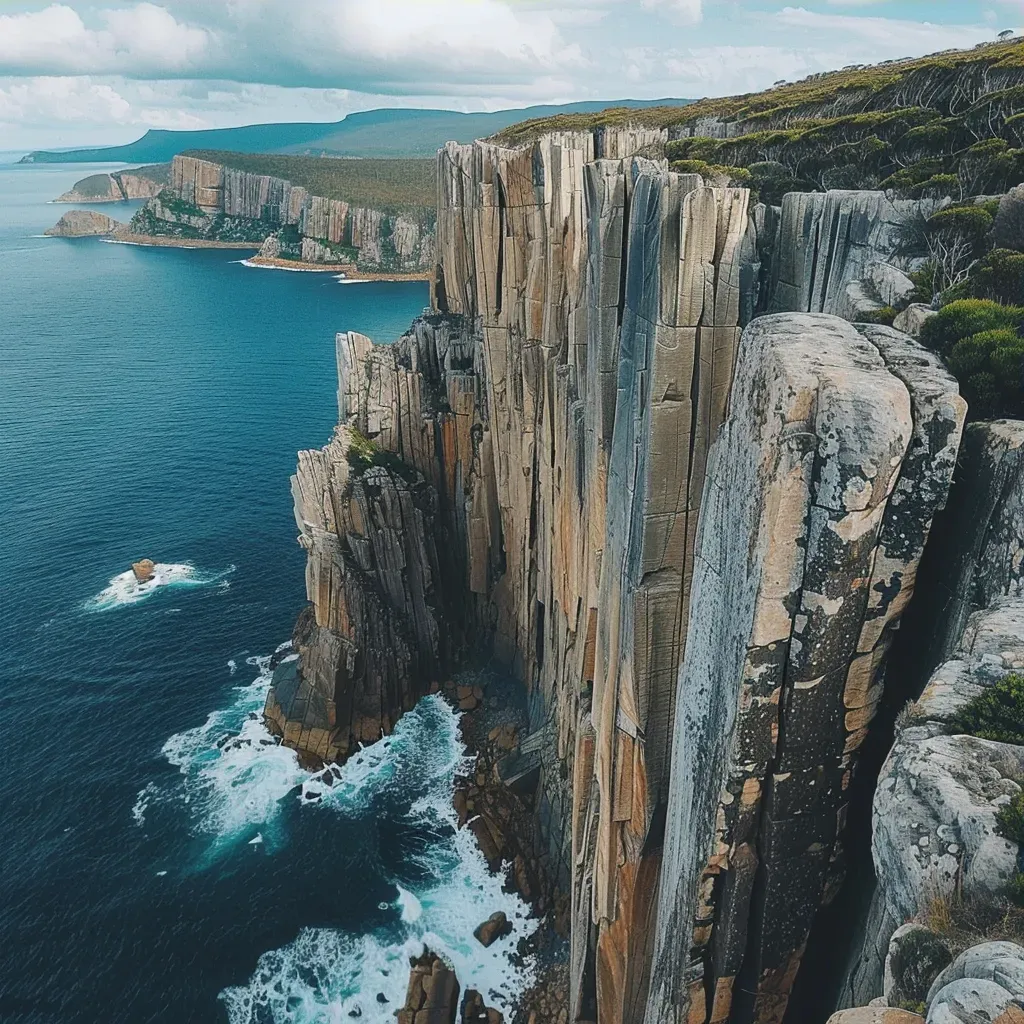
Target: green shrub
{"points": [[1010, 820], [1015, 890], [999, 276], [363, 454], [995, 714], [965, 318], [714, 174], [885, 316], [990, 369]]}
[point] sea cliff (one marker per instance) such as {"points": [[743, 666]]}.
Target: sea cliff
{"points": [[639, 454], [215, 201]]}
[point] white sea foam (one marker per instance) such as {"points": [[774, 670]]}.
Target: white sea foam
{"points": [[326, 975], [289, 270], [235, 773], [237, 780], [124, 589]]}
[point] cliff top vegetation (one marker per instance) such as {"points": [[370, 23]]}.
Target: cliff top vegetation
{"points": [[390, 185], [946, 80], [99, 184]]}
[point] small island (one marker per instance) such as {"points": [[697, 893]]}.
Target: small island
{"points": [[82, 224]]}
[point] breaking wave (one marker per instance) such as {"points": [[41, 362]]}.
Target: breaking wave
{"points": [[238, 781], [329, 975], [124, 589]]}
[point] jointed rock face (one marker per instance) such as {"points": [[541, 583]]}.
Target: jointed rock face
{"points": [[208, 200], [522, 475]]}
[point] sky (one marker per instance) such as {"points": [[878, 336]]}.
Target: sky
{"points": [[76, 73]]}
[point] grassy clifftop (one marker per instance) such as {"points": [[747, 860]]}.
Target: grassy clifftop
{"points": [[944, 81], [389, 185], [951, 124]]}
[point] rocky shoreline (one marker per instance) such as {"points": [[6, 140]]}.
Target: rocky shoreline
{"points": [[159, 241], [348, 269]]}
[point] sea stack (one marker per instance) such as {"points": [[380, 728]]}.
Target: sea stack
{"points": [[144, 570], [82, 223]]}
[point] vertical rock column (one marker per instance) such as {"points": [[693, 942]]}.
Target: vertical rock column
{"points": [[819, 495], [676, 354]]}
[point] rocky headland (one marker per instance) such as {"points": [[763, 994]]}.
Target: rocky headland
{"points": [[142, 183], [213, 201], [657, 452]]}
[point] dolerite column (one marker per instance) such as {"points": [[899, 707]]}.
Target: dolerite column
{"points": [[678, 338], [819, 495]]}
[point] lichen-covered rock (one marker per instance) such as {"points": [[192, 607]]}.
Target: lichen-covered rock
{"points": [[913, 318], [1000, 962], [934, 834], [837, 452], [829, 249], [972, 999], [875, 1015], [916, 957], [81, 223]]}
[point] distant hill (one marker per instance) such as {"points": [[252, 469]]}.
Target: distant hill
{"points": [[370, 133]]}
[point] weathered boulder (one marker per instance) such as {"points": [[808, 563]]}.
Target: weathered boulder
{"points": [[433, 993], [889, 284], [497, 926], [837, 452], [934, 835], [81, 223], [913, 318], [144, 570], [999, 962], [916, 957], [875, 1015], [969, 1000]]}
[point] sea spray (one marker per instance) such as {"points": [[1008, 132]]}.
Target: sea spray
{"points": [[328, 974], [234, 774], [124, 589]]}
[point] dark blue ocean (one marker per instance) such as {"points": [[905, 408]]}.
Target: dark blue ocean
{"points": [[161, 858]]}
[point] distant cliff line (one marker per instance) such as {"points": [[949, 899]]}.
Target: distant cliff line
{"points": [[374, 216]]}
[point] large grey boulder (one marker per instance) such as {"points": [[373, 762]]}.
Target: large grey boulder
{"points": [[1000, 962], [934, 833]]}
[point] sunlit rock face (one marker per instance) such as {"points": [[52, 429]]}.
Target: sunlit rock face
{"points": [[521, 476], [226, 203], [838, 450]]}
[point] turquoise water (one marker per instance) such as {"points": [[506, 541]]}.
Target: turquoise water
{"points": [[162, 859]]}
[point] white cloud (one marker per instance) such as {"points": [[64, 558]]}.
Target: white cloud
{"points": [[892, 36], [386, 44], [688, 10]]}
